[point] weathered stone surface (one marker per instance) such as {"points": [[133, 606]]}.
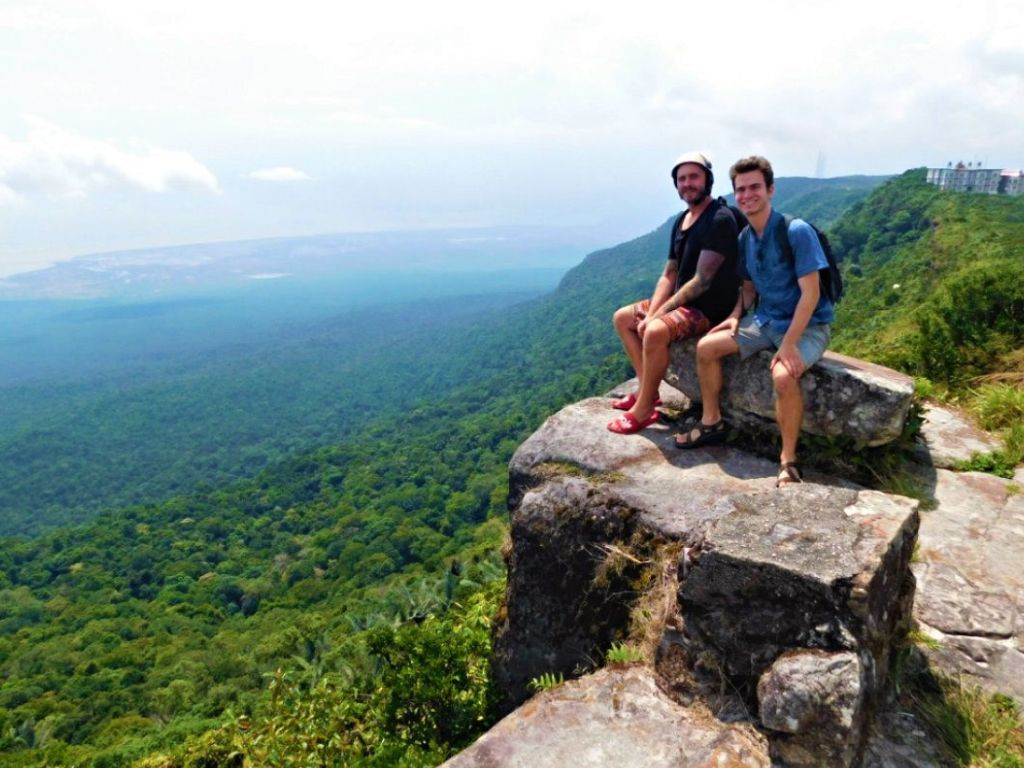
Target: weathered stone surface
{"points": [[946, 437], [841, 555], [615, 717], [899, 740], [816, 701], [762, 570], [970, 592], [842, 395]]}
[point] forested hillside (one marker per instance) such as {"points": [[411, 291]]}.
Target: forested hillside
{"points": [[822, 201], [935, 281], [338, 603], [124, 635]]}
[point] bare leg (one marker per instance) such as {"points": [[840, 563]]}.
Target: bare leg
{"points": [[654, 364], [789, 410], [625, 326], [710, 351]]}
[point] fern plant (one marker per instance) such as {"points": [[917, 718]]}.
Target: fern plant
{"points": [[620, 653], [546, 682]]}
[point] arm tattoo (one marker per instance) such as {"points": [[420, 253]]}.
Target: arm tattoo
{"points": [[707, 266]]}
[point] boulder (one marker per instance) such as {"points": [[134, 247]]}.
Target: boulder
{"points": [[616, 717], [813, 700], [623, 537], [843, 396]]}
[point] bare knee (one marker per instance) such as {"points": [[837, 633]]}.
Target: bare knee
{"points": [[656, 335], [715, 346], [704, 350], [784, 382], [623, 318]]}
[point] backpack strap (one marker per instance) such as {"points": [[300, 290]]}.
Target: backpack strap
{"points": [[782, 237], [676, 224], [743, 236], [830, 278]]}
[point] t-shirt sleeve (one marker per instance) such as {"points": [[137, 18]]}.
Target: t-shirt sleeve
{"points": [[721, 236], [807, 253]]}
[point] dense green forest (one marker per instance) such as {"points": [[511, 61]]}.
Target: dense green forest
{"points": [[334, 609], [71, 447]]}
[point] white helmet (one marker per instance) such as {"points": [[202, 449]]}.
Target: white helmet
{"points": [[698, 158]]}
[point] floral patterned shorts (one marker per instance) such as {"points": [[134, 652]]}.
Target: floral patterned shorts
{"points": [[683, 322]]}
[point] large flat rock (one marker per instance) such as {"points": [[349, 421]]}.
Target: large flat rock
{"points": [[970, 594], [615, 717], [948, 437], [843, 396], [761, 572]]}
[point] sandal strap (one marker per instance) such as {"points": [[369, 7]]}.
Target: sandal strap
{"points": [[792, 471], [703, 432]]}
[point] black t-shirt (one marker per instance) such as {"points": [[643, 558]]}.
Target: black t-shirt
{"points": [[714, 230]]}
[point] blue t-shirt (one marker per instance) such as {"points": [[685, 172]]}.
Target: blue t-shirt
{"points": [[763, 262]]}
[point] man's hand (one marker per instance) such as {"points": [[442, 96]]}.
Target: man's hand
{"points": [[730, 324], [640, 320], [789, 356]]}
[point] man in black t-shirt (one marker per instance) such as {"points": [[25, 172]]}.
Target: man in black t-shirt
{"points": [[696, 291]]}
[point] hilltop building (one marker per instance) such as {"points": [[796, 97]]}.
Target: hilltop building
{"points": [[965, 178]]}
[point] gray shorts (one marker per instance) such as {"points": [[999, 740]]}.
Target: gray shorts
{"points": [[752, 338]]}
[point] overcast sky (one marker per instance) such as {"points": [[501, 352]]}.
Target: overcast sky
{"points": [[131, 123]]}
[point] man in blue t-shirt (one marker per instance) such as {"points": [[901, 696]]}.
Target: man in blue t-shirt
{"points": [[791, 315]]}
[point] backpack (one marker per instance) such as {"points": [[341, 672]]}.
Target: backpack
{"points": [[830, 278], [741, 219]]}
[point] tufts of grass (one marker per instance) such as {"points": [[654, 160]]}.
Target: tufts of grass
{"points": [[973, 728], [1013, 442], [926, 389], [998, 405], [995, 463]]}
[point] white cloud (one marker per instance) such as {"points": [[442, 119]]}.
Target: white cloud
{"points": [[53, 161], [25, 16], [280, 173]]}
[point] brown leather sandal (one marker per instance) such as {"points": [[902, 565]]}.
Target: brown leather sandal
{"points": [[789, 472], [707, 434]]}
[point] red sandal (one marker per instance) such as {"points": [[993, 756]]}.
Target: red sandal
{"points": [[628, 424], [629, 401]]}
